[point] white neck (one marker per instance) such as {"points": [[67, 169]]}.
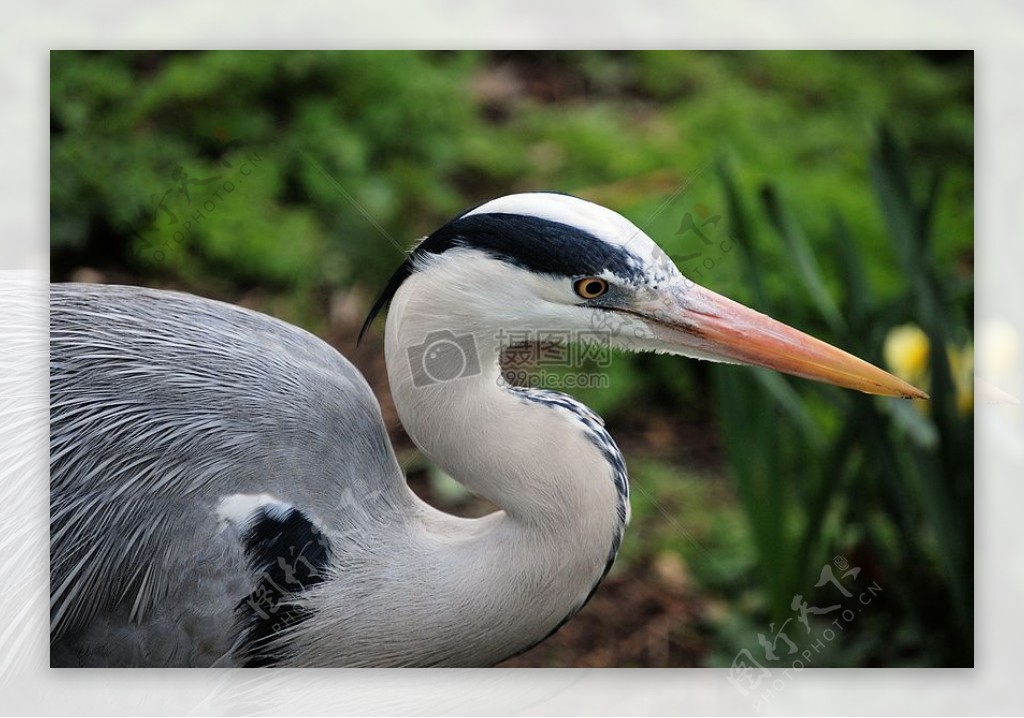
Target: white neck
{"points": [[536, 560]]}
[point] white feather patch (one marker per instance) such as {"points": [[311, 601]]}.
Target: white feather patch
{"points": [[240, 509], [600, 221]]}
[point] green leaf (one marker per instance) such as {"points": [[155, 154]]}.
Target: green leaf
{"points": [[803, 259]]}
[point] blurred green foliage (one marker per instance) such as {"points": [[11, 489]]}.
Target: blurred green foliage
{"points": [[761, 173], [358, 146], [827, 476]]}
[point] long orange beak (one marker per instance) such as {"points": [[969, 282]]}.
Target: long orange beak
{"points": [[695, 321]]}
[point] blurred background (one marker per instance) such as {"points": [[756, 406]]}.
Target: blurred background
{"points": [[776, 523]]}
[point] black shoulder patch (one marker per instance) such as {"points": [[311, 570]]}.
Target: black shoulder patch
{"points": [[533, 243], [287, 555]]}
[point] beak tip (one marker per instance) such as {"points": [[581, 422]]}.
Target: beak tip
{"points": [[915, 393]]}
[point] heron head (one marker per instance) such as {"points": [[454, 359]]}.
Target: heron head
{"points": [[553, 263]]}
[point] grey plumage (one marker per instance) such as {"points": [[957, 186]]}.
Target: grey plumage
{"points": [[165, 405], [153, 421]]}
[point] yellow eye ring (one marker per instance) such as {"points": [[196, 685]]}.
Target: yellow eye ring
{"points": [[590, 287]]}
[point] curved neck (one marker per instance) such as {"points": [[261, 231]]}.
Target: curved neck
{"points": [[534, 460], [564, 506]]}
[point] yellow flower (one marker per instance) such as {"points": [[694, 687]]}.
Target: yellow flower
{"points": [[906, 352], [961, 366]]}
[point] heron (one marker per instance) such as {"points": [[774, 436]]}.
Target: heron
{"points": [[224, 492]]}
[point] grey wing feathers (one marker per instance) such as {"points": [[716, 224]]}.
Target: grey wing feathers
{"points": [[161, 405]]}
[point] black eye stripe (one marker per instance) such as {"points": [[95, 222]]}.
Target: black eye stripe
{"points": [[540, 245], [533, 243]]}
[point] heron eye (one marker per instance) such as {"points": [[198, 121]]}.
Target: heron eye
{"points": [[590, 287]]}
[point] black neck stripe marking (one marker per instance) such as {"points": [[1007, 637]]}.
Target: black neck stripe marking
{"points": [[599, 436], [539, 245]]}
